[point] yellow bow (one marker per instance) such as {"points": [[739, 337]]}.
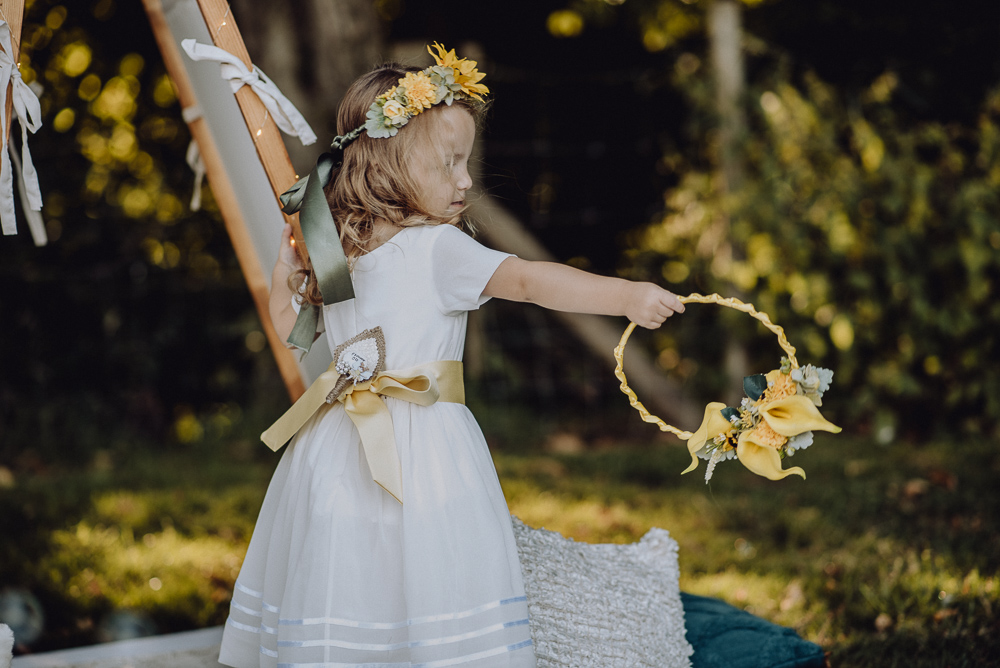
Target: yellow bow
{"points": [[423, 384]]}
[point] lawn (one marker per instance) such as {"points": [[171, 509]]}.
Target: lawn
{"points": [[886, 556]]}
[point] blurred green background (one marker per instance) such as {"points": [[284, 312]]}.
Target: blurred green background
{"points": [[849, 190]]}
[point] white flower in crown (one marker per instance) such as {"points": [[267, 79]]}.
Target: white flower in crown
{"points": [[395, 112], [359, 360]]}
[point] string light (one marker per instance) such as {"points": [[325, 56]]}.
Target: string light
{"points": [[260, 129], [223, 23]]}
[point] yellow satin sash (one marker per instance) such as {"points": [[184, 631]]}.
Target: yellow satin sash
{"points": [[423, 384]]}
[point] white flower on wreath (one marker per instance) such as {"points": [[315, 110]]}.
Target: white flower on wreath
{"points": [[812, 382], [377, 124], [798, 442]]}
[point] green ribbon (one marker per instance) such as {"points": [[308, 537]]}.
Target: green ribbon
{"points": [[319, 231]]}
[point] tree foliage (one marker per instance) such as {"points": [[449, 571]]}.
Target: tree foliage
{"points": [[135, 317], [874, 241], [868, 224]]}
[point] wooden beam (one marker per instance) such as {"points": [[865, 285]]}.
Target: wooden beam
{"points": [[224, 194], [266, 136], [12, 11]]}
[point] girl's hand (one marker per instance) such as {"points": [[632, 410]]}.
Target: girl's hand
{"points": [[288, 255], [280, 301], [648, 305]]}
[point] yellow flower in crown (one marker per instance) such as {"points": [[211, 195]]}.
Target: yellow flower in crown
{"points": [[420, 92], [465, 72]]}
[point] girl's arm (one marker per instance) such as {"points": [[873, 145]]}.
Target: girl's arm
{"points": [[563, 288], [280, 303]]}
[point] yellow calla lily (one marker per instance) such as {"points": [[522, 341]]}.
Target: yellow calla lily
{"points": [[794, 415], [763, 460], [712, 425]]}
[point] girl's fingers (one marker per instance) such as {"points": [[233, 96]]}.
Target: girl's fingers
{"points": [[674, 303], [288, 254]]}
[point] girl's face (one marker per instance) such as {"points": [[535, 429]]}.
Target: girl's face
{"points": [[441, 164]]}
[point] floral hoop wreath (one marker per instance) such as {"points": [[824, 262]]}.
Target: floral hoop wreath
{"points": [[775, 420]]}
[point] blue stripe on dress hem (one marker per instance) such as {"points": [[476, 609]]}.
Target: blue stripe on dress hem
{"points": [[245, 610], [247, 590], [243, 627], [391, 647], [473, 657], [338, 621], [433, 664]]}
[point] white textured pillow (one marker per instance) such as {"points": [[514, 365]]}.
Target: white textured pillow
{"points": [[6, 646], [603, 606]]}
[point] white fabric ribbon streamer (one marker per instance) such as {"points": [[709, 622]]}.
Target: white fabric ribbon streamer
{"points": [[233, 70], [193, 158], [197, 165], [28, 113], [34, 218]]}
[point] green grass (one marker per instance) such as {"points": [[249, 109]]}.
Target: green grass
{"points": [[884, 556]]}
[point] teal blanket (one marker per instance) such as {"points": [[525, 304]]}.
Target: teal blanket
{"points": [[727, 637]]}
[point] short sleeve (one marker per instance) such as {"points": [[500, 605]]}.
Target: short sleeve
{"points": [[461, 268]]}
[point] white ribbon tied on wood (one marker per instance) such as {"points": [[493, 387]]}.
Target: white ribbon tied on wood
{"points": [[233, 70], [28, 112], [194, 159]]}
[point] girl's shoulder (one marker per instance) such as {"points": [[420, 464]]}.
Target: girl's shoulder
{"points": [[437, 231], [426, 240], [431, 236]]}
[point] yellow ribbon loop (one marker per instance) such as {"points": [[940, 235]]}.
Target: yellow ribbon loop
{"points": [[423, 385]]}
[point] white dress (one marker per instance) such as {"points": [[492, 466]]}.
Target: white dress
{"points": [[338, 573]]}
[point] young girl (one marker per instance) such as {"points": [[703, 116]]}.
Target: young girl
{"points": [[340, 572]]}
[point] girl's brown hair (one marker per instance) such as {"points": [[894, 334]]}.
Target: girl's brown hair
{"points": [[374, 183]]}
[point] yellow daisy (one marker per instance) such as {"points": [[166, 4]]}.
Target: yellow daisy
{"points": [[421, 93]]}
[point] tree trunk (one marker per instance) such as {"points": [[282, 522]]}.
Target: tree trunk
{"points": [[725, 32]]}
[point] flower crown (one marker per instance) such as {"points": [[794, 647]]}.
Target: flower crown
{"points": [[452, 78]]}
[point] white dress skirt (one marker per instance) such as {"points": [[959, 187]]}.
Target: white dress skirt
{"points": [[338, 573]]}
